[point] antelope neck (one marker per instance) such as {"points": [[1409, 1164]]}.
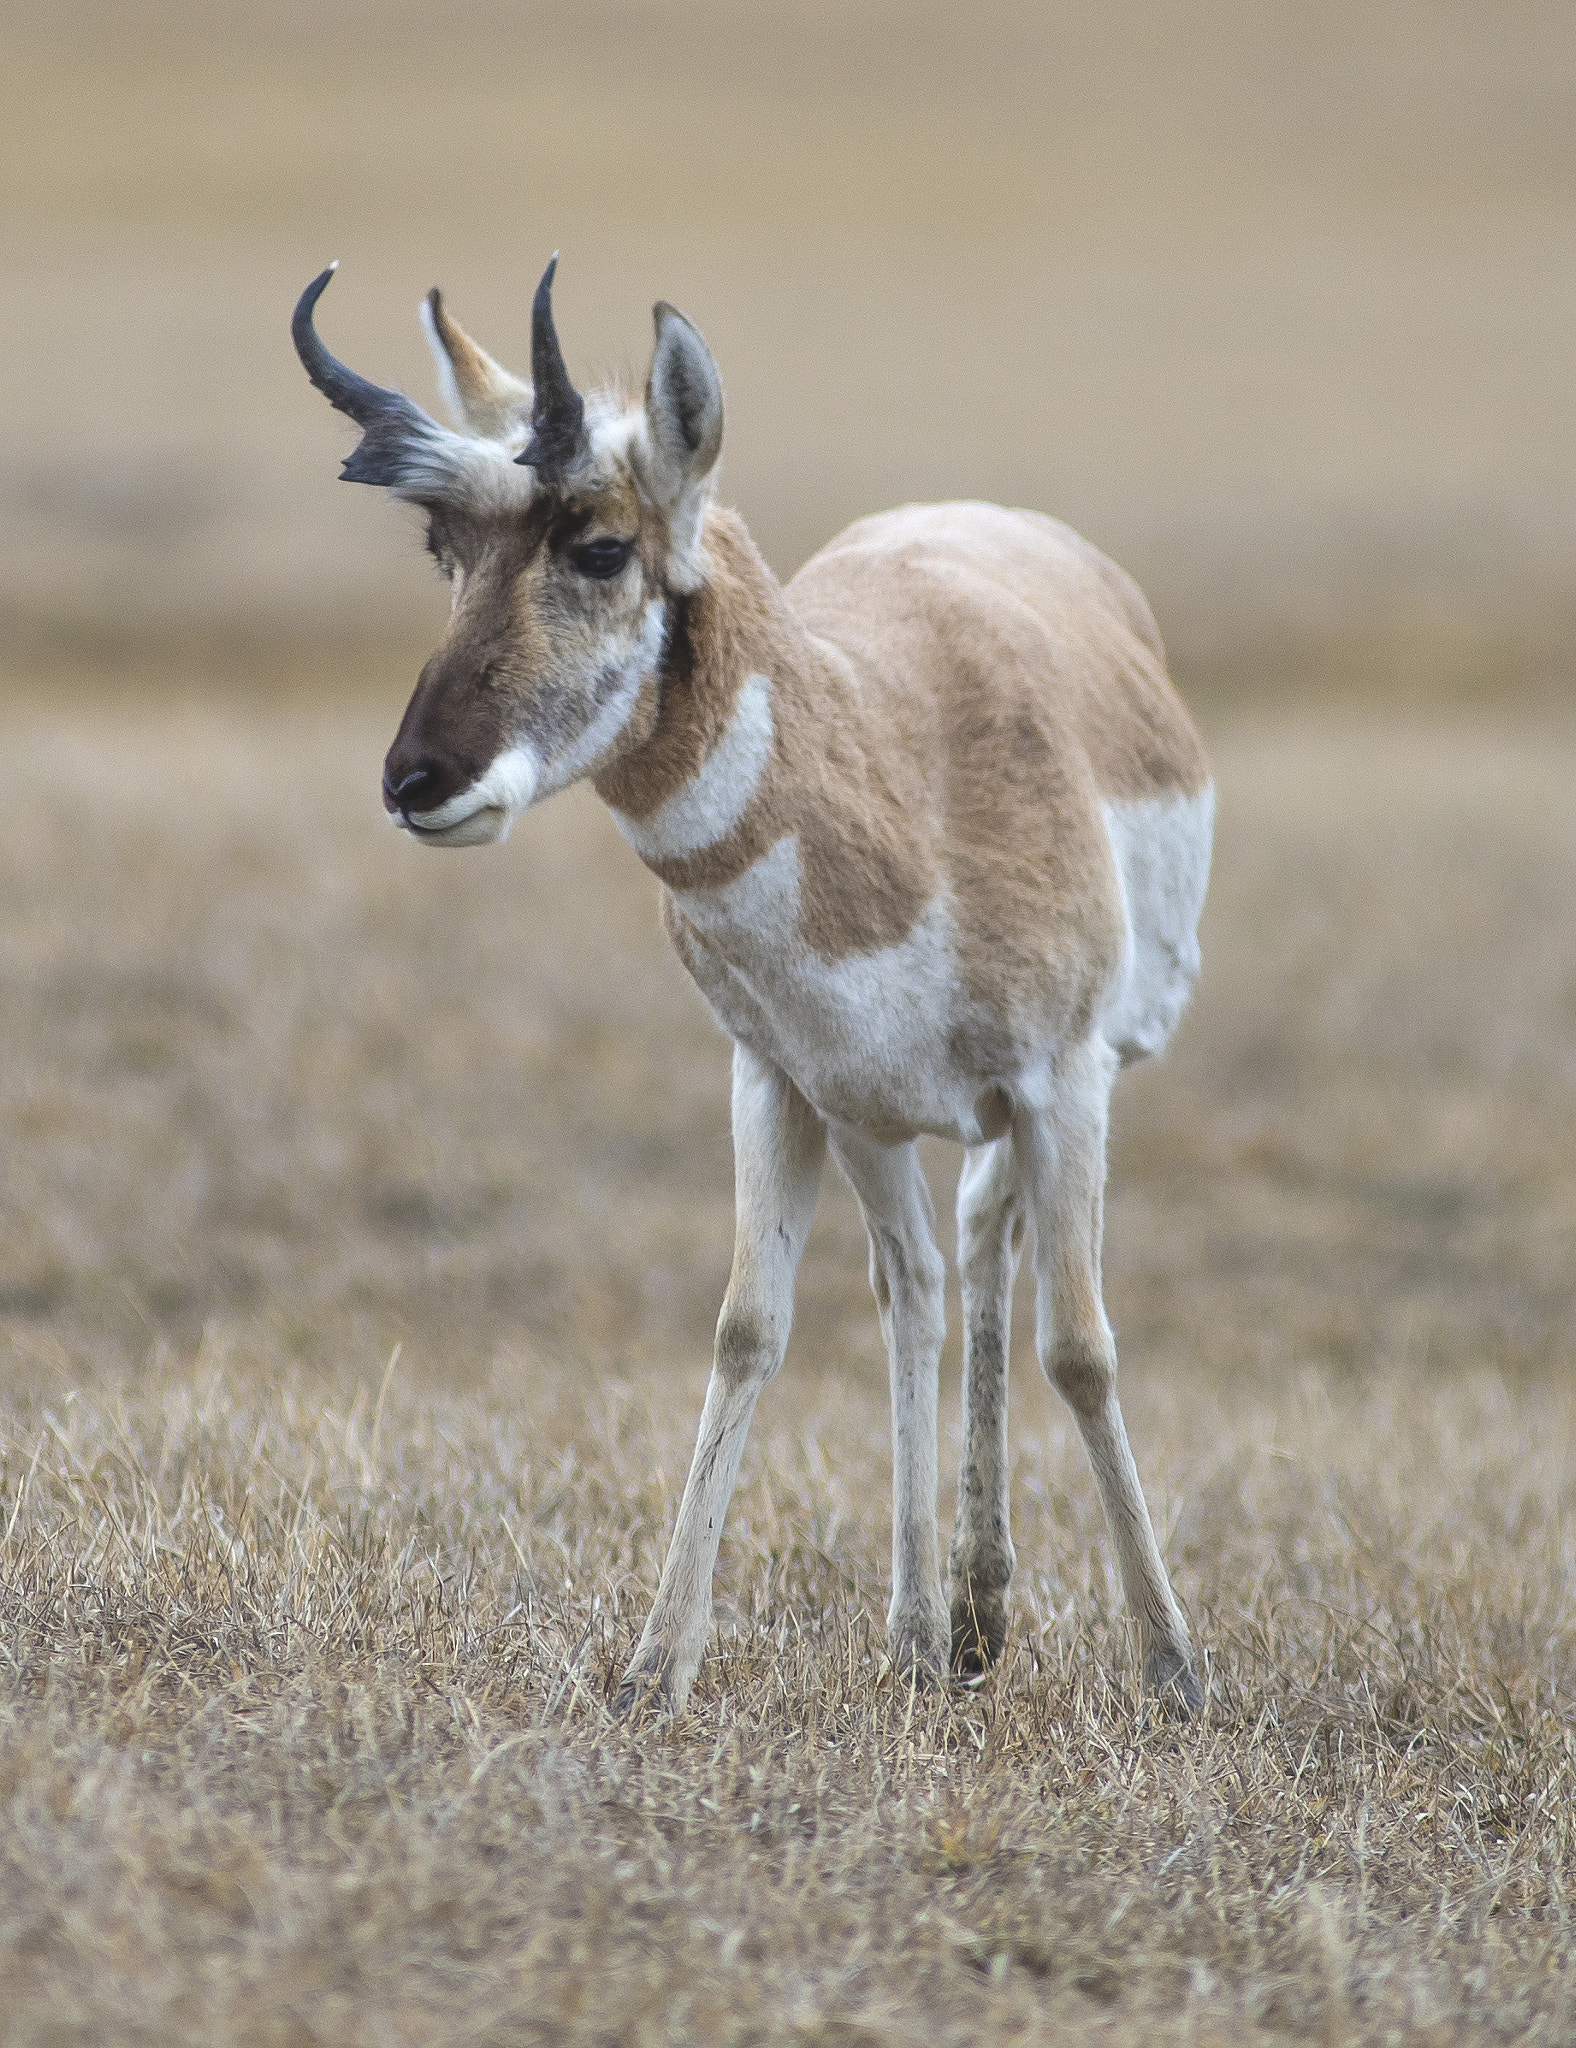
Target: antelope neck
{"points": [[735, 656]]}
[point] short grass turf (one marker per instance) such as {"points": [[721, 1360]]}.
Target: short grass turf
{"points": [[305, 1646]]}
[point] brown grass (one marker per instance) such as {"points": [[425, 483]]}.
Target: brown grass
{"points": [[304, 1655], [306, 1735]]}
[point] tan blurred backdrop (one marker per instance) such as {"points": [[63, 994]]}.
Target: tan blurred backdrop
{"points": [[1277, 303]]}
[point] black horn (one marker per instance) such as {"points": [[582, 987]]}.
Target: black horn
{"points": [[558, 414], [395, 432]]}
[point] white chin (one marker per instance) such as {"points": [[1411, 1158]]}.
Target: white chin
{"points": [[486, 827]]}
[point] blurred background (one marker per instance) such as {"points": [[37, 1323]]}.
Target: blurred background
{"points": [[1277, 304]]}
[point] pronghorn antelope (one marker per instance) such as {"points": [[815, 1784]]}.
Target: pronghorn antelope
{"points": [[933, 830]]}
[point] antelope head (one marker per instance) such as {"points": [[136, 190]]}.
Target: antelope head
{"points": [[566, 526]]}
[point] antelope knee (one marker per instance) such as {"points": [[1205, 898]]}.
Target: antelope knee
{"points": [[1082, 1370], [929, 1297], [748, 1350], [911, 1277]]}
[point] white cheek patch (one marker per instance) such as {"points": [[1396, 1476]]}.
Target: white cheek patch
{"points": [[710, 805], [523, 773], [511, 782], [632, 672]]}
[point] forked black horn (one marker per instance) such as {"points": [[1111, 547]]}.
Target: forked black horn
{"points": [[558, 413], [393, 428]]}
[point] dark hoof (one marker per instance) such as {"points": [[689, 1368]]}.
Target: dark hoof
{"points": [[1174, 1683], [643, 1694], [979, 1632], [917, 1660]]}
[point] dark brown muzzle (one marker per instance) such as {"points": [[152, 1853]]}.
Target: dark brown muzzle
{"points": [[448, 738], [418, 777]]}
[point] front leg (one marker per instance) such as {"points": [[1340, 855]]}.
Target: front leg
{"points": [[908, 1279], [779, 1144]]}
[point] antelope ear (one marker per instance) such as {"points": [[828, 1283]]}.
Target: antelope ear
{"points": [[480, 394], [684, 422]]}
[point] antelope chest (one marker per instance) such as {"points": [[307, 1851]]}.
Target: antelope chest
{"points": [[869, 1039], [917, 1034]]}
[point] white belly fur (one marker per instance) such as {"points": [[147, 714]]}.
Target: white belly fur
{"points": [[869, 1039], [864, 1038], [1162, 847]]}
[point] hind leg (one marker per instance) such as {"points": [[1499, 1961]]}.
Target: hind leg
{"points": [[991, 1219], [1062, 1151]]}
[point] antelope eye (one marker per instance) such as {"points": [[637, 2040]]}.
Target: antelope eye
{"points": [[602, 557]]}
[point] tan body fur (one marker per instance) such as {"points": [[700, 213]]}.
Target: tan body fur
{"points": [[955, 692], [933, 829]]}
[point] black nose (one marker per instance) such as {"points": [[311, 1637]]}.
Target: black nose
{"points": [[403, 794]]}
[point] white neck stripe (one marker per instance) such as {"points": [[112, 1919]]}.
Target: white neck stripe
{"points": [[712, 802]]}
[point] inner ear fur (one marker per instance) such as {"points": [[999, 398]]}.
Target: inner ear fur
{"points": [[684, 428], [683, 403], [481, 395]]}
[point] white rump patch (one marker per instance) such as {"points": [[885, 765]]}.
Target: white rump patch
{"points": [[1162, 847], [712, 802]]}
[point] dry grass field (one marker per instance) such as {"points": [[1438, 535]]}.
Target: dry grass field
{"points": [[364, 1212], [306, 1642]]}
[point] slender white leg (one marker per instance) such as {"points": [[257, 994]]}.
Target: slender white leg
{"points": [[1062, 1154], [990, 1236], [908, 1280], [779, 1144]]}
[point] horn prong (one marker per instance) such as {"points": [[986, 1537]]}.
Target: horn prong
{"points": [[559, 412], [391, 425]]}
